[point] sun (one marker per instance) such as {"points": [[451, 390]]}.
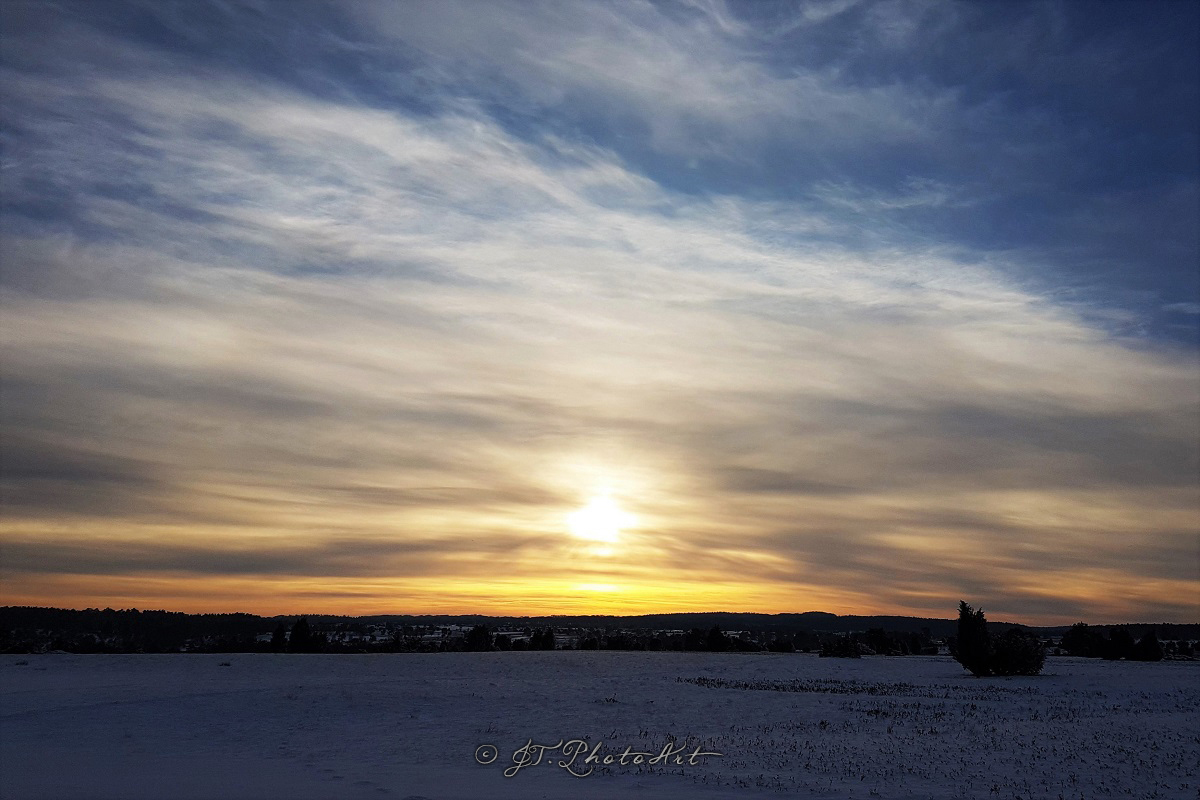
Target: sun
{"points": [[601, 520]]}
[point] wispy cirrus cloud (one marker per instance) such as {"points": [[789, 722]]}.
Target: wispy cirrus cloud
{"points": [[327, 337]]}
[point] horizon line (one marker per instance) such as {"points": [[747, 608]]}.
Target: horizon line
{"points": [[551, 616]]}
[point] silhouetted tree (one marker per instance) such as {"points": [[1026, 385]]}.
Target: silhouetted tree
{"points": [[1118, 645], [479, 639], [1081, 640], [279, 639], [840, 647], [694, 640], [716, 641], [300, 640], [1148, 649], [972, 646], [893, 644], [807, 641], [877, 640], [782, 644], [623, 641]]}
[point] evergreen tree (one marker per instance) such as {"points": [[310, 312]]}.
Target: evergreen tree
{"points": [[1081, 640], [782, 644], [479, 639], [1118, 645], [694, 640], [300, 640], [972, 645], [1148, 649], [840, 647], [716, 641], [279, 639]]}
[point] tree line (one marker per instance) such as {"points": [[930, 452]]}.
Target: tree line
{"points": [[1018, 651], [25, 629], [1082, 640]]}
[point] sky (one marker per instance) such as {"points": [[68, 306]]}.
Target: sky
{"points": [[616, 307]]}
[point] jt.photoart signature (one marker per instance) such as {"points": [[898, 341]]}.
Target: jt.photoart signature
{"points": [[580, 757]]}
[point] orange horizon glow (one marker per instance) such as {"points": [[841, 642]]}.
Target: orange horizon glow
{"points": [[288, 598], [594, 557]]}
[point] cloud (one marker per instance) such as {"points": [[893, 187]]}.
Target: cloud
{"points": [[254, 329], [1183, 308], [331, 557]]}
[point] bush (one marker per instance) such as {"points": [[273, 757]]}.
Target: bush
{"points": [[1015, 652]]}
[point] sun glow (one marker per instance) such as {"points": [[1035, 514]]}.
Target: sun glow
{"points": [[601, 520]]}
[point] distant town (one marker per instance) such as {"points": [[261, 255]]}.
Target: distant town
{"points": [[26, 629]]}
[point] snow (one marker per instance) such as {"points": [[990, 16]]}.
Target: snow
{"points": [[408, 726]]}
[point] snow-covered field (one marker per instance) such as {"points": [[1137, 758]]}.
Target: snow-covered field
{"points": [[409, 725]]}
